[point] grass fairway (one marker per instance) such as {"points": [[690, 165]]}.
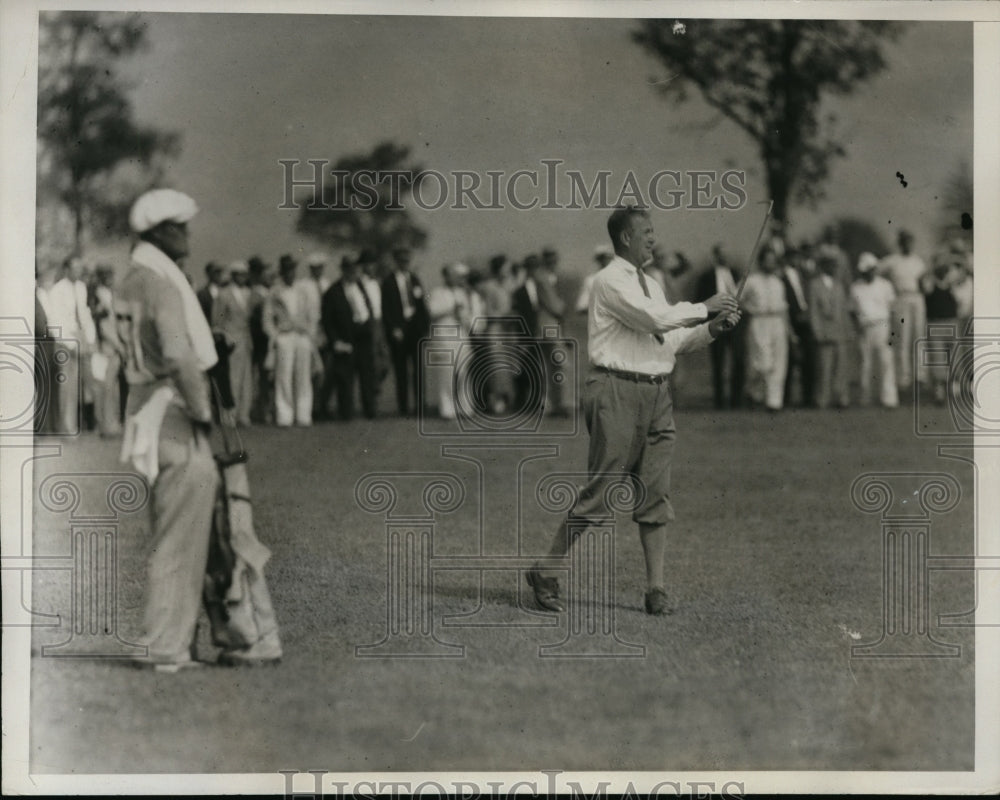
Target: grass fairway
{"points": [[773, 571]]}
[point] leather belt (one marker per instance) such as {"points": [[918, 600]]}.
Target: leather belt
{"points": [[636, 377]]}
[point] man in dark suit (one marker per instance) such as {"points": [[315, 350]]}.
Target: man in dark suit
{"points": [[406, 322], [348, 320], [802, 355], [536, 303], [720, 277], [828, 315]]}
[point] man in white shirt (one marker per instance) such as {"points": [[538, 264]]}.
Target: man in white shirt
{"points": [[909, 313], [871, 302], [231, 318], [65, 305], [633, 339], [291, 327]]}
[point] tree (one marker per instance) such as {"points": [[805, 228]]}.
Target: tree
{"points": [[345, 215], [769, 77], [93, 156]]}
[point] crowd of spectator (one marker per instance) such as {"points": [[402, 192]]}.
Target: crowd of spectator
{"points": [[298, 346]]}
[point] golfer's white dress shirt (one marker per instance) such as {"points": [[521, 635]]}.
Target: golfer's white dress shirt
{"points": [[622, 321]]}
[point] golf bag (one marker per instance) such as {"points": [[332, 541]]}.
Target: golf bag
{"points": [[235, 593]]}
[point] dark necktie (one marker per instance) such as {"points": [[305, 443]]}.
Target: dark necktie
{"points": [[645, 291], [368, 302]]}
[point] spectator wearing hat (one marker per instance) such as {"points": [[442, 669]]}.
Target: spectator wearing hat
{"points": [[938, 288], [231, 318], [540, 309], [602, 257], [169, 348], [348, 319], [828, 318], [830, 247], [909, 314], [496, 290], [871, 302], [223, 403], [291, 328], [768, 332], [727, 353], [216, 276], [406, 322]]}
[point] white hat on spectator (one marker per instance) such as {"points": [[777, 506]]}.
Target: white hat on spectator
{"points": [[160, 205], [239, 266], [317, 258], [604, 250], [867, 262]]}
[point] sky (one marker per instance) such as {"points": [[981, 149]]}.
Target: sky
{"points": [[246, 91]]}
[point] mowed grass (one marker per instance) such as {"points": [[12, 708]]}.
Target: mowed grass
{"points": [[773, 572]]}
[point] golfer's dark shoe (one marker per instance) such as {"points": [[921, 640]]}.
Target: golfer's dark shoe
{"points": [[546, 591], [657, 604]]}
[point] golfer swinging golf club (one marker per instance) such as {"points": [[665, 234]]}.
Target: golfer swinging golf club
{"points": [[634, 336]]}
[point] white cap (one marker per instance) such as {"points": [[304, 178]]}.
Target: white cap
{"points": [[317, 258], [239, 266], [603, 250], [160, 205], [867, 262]]}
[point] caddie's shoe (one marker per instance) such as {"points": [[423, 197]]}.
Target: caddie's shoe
{"points": [[657, 604], [546, 591], [265, 652]]}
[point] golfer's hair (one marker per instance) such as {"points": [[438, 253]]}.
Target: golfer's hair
{"points": [[621, 219]]}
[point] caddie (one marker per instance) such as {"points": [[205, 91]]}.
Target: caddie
{"points": [[634, 336], [168, 417]]}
